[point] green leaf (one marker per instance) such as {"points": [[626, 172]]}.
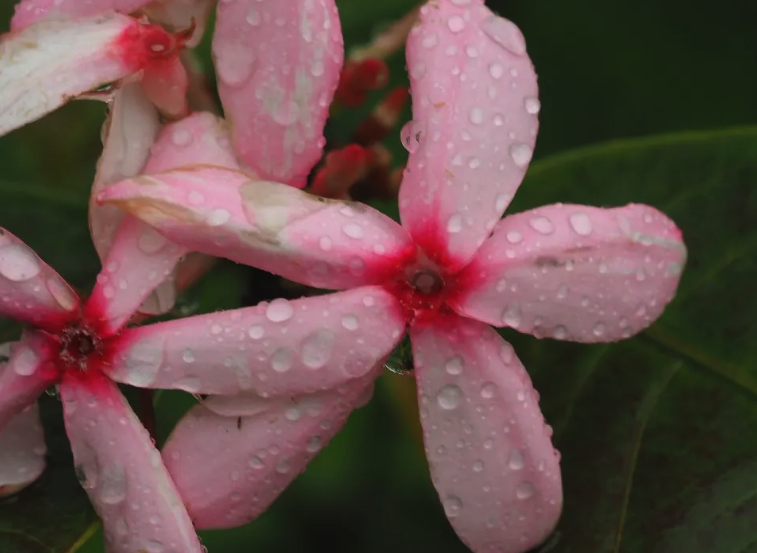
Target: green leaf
{"points": [[657, 432]]}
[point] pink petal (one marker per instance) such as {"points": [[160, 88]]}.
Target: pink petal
{"points": [[180, 15], [165, 84], [474, 108], [139, 260], [25, 375], [277, 348], [128, 133], [122, 471], [229, 469], [22, 451], [575, 272], [308, 239], [31, 11], [200, 139], [30, 290], [278, 64], [491, 458], [51, 62]]}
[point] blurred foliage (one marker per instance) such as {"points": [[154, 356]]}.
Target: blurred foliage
{"points": [[656, 432]]}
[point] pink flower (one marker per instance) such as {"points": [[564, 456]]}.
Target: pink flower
{"points": [[83, 347], [568, 272]]}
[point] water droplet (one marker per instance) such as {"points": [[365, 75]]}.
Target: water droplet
{"points": [[454, 365], [25, 361], [430, 40], [353, 230], [256, 462], [580, 223], [476, 115], [256, 332], [316, 348], [293, 413], [562, 292], [511, 316], [112, 485], [18, 263], [279, 310], [504, 33], [152, 546], [501, 202], [151, 241], [449, 397], [521, 153], [181, 137], [411, 135], [516, 459], [524, 490], [488, 390], [542, 225], [478, 466], [454, 224], [196, 198], [533, 105], [314, 444], [190, 384], [456, 23], [350, 322], [599, 329], [281, 360], [218, 217], [287, 113], [325, 243], [283, 466], [452, 506], [234, 64], [253, 17], [496, 70], [188, 356]]}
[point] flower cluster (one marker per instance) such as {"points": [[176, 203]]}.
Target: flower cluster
{"points": [[176, 185]]}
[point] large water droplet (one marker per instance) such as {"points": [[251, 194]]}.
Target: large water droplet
{"points": [[281, 360], [504, 33], [25, 361], [532, 104], [279, 310], [542, 225], [524, 490], [511, 316], [152, 546], [353, 230], [521, 153], [449, 397], [411, 135], [316, 348], [18, 263], [516, 459], [151, 241], [454, 365], [314, 444], [454, 223], [234, 65], [488, 390], [456, 23], [581, 223], [478, 466], [350, 322], [256, 332], [256, 462], [181, 137], [112, 486], [452, 506]]}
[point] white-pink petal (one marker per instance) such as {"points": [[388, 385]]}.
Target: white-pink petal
{"points": [[488, 446], [51, 62], [273, 349], [474, 126], [575, 272], [229, 469], [22, 451], [31, 11], [308, 239], [122, 472], [30, 290], [278, 64], [180, 15]]}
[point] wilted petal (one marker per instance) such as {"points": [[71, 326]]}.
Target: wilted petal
{"points": [[31, 11], [22, 451], [474, 108], [30, 290], [305, 238], [139, 260], [229, 469], [278, 348], [24, 374], [119, 467], [51, 62], [491, 457], [254, 42], [200, 139], [128, 134], [165, 84], [575, 272]]}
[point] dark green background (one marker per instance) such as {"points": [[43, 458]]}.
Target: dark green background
{"points": [[657, 433]]}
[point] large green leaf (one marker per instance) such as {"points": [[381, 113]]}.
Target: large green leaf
{"points": [[657, 432]]}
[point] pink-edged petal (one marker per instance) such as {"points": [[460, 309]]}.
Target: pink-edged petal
{"points": [[31, 11], [229, 469], [140, 259], [278, 348], [180, 15], [30, 290], [575, 272], [22, 451], [278, 64], [305, 238], [474, 108], [200, 139], [128, 134], [165, 84], [49, 63], [24, 374], [122, 471], [488, 446]]}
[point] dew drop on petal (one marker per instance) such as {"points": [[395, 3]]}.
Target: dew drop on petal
{"points": [[452, 506], [411, 135], [516, 459], [25, 361], [449, 397], [256, 332], [532, 104], [521, 153], [18, 263], [454, 365], [504, 33], [454, 224], [279, 310], [488, 390], [580, 223], [281, 360], [524, 490]]}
